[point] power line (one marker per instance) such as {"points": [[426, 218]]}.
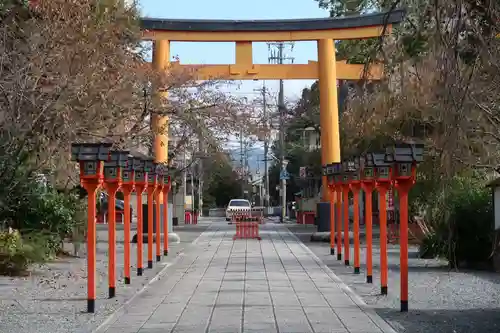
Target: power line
{"points": [[264, 93], [241, 165], [277, 55]]}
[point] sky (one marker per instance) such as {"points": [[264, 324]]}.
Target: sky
{"points": [[224, 53]]}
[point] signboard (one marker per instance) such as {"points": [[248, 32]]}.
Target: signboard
{"points": [[303, 172], [188, 202], [284, 175]]}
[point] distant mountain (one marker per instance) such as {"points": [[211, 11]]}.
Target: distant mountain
{"points": [[255, 159]]}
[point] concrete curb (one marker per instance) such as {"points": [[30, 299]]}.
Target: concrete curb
{"points": [[324, 236], [172, 238], [377, 320], [121, 309]]}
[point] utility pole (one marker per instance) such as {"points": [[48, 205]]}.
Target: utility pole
{"points": [[200, 177], [192, 187], [184, 181], [281, 107], [241, 165], [266, 150], [279, 58], [246, 169], [265, 198], [261, 196], [191, 178]]}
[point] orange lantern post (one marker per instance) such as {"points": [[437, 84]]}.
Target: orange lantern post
{"points": [[159, 190], [128, 182], [346, 181], [338, 186], [91, 157], [355, 186], [150, 168], [383, 183], [112, 182], [328, 171], [406, 156], [167, 183], [368, 184], [140, 178]]}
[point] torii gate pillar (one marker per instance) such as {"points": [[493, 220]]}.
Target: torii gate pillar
{"points": [[159, 122], [329, 112]]}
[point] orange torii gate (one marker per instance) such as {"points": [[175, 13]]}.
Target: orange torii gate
{"points": [[244, 33]]}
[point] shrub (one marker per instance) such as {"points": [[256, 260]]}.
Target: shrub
{"points": [[435, 243], [461, 224], [42, 214], [50, 212], [15, 254]]}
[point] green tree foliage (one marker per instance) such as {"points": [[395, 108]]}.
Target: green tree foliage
{"points": [[462, 218], [304, 114], [221, 182], [297, 158], [69, 85], [15, 254], [339, 8], [441, 88], [354, 51], [36, 218], [59, 83]]}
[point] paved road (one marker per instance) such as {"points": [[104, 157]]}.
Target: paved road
{"points": [[440, 300], [53, 298], [275, 285]]}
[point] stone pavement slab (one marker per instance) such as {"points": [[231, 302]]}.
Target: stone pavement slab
{"points": [[275, 285]]}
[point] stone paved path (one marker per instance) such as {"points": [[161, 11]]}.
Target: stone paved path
{"points": [[275, 285]]}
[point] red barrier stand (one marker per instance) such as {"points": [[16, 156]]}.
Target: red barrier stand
{"points": [[187, 217], [239, 215], [308, 217], [299, 217], [247, 230]]}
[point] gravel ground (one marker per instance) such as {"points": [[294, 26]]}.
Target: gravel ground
{"points": [[54, 298], [440, 300]]}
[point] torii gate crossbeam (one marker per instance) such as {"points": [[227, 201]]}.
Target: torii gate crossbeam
{"points": [[244, 33]]}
